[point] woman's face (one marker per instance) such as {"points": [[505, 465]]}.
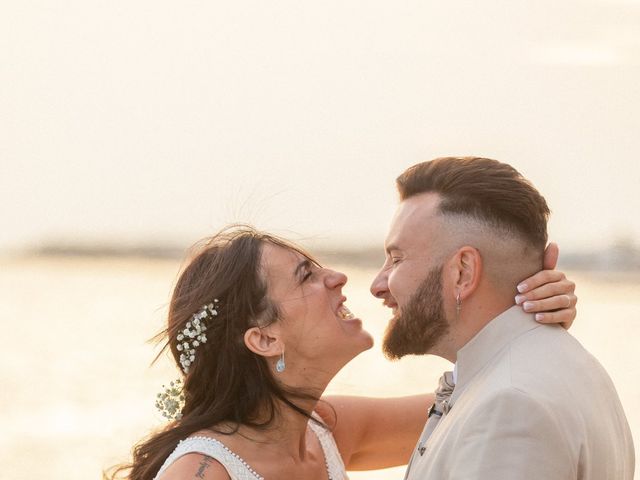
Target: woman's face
{"points": [[316, 327]]}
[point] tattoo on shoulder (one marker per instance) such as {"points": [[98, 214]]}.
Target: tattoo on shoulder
{"points": [[202, 467]]}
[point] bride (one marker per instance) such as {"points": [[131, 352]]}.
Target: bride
{"points": [[258, 329]]}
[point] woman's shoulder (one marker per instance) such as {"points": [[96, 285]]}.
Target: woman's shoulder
{"points": [[197, 466], [203, 456]]}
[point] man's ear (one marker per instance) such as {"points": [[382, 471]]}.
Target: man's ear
{"points": [[466, 268], [263, 341], [551, 254]]}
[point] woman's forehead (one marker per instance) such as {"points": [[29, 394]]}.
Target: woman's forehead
{"points": [[277, 261]]}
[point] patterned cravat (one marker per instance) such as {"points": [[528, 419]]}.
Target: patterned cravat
{"points": [[440, 407]]}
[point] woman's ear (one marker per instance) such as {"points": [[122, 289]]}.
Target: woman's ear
{"points": [[466, 270], [263, 341]]}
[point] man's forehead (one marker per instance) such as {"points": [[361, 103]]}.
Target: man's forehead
{"points": [[413, 219]]}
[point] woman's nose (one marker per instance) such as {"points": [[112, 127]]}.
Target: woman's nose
{"points": [[335, 279]]}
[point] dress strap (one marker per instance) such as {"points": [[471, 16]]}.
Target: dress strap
{"points": [[332, 457], [237, 468]]}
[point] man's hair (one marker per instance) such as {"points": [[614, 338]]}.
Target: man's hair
{"points": [[486, 190]]}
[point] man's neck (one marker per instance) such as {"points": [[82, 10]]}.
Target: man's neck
{"points": [[474, 316]]}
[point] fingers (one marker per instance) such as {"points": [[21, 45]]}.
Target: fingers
{"points": [[549, 294], [563, 317], [540, 278], [550, 304], [551, 254], [561, 287]]}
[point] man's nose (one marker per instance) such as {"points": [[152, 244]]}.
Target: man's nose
{"points": [[379, 286]]}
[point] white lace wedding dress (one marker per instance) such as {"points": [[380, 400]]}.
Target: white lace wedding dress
{"points": [[238, 469]]}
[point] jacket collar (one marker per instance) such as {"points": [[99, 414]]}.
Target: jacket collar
{"points": [[488, 342]]}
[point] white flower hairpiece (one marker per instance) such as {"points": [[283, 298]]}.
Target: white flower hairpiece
{"points": [[171, 401], [193, 334]]}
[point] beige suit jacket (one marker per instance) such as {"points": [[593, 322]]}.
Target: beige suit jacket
{"points": [[530, 403]]}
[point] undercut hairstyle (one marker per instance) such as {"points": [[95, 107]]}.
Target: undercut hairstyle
{"points": [[486, 190]]}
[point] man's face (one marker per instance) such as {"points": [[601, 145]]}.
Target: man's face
{"points": [[410, 281]]}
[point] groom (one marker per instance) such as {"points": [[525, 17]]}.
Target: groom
{"points": [[528, 401]]}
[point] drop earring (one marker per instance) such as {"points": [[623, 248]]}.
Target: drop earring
{"points": [[458, 303], [280, 365]]}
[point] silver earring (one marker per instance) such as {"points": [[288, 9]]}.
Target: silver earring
{"points": [[280, 366]]}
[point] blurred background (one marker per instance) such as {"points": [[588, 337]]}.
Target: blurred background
{"points": [[129, 130]]}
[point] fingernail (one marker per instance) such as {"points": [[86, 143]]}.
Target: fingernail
{"points": [[522, 287], [539, 317], [527, 306], [520, 299]]}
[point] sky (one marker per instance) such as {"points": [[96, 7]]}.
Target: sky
{"points": [[158, 122]]}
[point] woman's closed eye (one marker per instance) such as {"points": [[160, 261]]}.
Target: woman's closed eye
{"points": [[304, 271], [306, 276]]}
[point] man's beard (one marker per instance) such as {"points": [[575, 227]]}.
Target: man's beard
{"points": [[421, 323]]}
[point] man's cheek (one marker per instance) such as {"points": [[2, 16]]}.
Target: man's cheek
{"points": [[396, 291], [402, 284]]}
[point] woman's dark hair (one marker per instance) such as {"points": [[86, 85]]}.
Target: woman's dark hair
{"points": [[227, 383]]}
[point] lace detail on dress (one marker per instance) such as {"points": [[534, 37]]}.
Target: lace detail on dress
{"points": [[237, 468], [332, 457]]}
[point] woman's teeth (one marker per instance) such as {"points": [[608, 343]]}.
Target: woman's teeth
{"points": [[344, 313]]}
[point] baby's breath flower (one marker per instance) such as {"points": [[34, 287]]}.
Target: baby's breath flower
{"points": [[171, 401], [192, 335]]}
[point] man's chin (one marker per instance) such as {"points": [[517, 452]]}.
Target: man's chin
{"points": [[399, 342], [391, 355], [395, 343]]}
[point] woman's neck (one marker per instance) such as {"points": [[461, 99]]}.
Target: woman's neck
{"points": [[287, 432]]}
